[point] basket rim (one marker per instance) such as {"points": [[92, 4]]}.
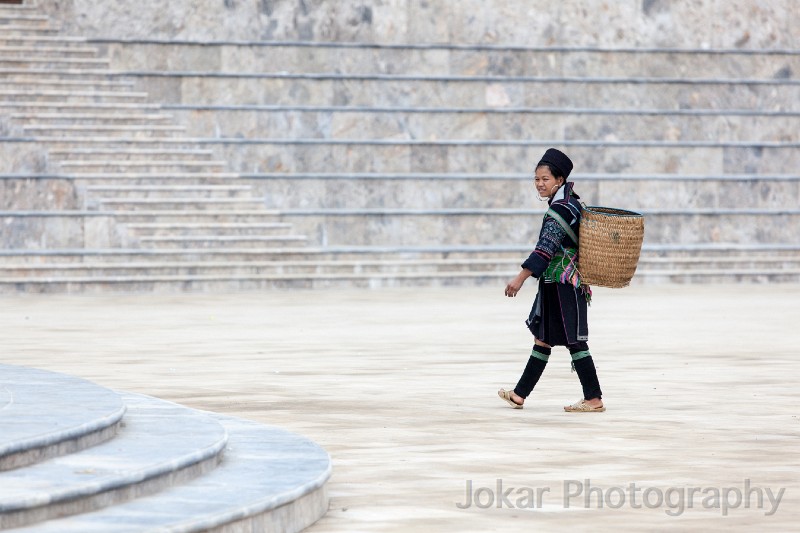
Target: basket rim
{"points": [[617, 212]]}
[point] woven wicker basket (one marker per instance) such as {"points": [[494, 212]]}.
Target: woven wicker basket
{"points": [[609, 245]]}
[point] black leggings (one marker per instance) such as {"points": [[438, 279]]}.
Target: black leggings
{"points": [[582, 363]]}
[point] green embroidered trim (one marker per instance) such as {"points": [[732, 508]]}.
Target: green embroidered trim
{"points": [[559, 269], [540, 356], [580, 355]]}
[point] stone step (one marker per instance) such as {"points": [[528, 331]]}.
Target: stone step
{"points": [[330, 89], [427, 190], [13, 17], [433, 60], [153, 166], [465, 155], [225, 282], [40, 51], [31, 74], [515, 252], [157, 194], [107, 108], [109, 130], [71, 96], [77, 415], [12, 8], [129, 154], [489, 124], [51, 62], [24, 22], [406, 227], [17, 39], [269, 480], [168, 191], [26, 28], [92, 118], [491, 156], [20, 39], [172, 142], [161, 229], [122, 178], [383, 227], [142, 178], [87, 229], [215, 240], [26, 84], [205, 216], [176, 203], [160, 445], [504, 265]]}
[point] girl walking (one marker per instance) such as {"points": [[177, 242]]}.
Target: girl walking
{"points": [[558, 316]]}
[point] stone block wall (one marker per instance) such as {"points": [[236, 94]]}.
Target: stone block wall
{"points": [[743, 24], [287, 108]]}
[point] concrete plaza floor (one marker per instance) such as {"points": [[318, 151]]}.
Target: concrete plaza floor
{"points": [[399, 386]]}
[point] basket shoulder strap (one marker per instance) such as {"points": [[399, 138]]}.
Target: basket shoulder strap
{"points": [[563, 223]]}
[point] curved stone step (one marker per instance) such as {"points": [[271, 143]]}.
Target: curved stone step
{"points": [[77, 415], [160, 444], [269, 480]]}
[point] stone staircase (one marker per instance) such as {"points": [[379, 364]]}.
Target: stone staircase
{"points": [[214, 165], [77, 457]]}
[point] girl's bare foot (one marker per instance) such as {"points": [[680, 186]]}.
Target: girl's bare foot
{"points": [[512, 398]]}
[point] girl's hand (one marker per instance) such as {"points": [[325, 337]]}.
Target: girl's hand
{"points": [[515, 285]]}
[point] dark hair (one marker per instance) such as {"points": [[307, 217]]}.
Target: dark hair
{"points": [[553, 170]]}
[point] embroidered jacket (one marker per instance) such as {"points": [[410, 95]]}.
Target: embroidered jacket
{"points": [[556, 251]]}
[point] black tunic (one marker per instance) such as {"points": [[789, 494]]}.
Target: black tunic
{"points": [[559, 313]]}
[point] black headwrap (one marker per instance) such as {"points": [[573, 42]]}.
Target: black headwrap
{"points": [[557, 159]]}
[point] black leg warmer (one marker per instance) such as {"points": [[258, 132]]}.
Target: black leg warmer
{"points": [[588, 376], [533, 371]]}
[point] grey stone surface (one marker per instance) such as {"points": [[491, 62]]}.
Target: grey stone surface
{"points": [[77, 414], [445, 60], [399, 227], [269, 480], [268, 155], [159, 444], [632, 68], [54, 229], [701, 24], [333, 89], [21, 157], [34, 193], [381, 362], [385, 123], [497, 192]]}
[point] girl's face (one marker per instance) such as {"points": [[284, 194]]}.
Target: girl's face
{"points": [[546, 184]]}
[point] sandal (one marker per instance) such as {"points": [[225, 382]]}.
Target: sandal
{"points": [[506, 395], [583, 407]]}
